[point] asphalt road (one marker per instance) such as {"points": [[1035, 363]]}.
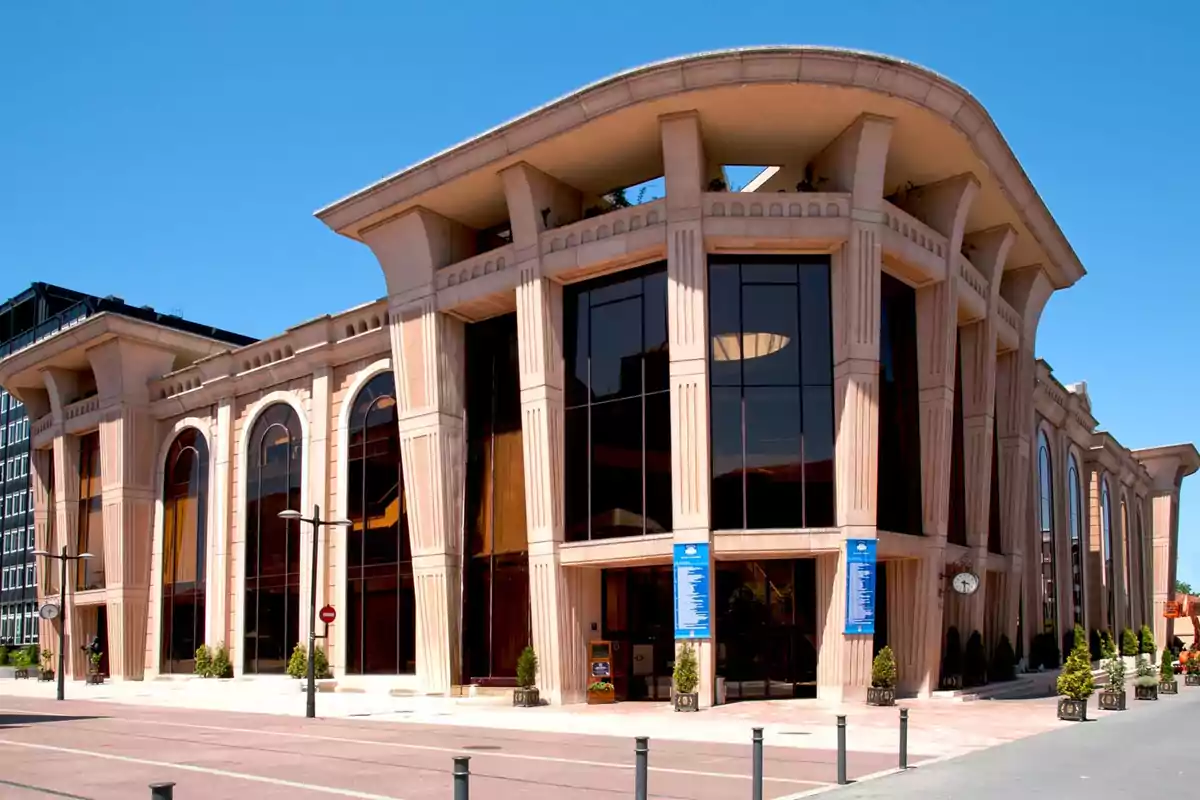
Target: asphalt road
{"points": [[1146, 751], [103, 751]]}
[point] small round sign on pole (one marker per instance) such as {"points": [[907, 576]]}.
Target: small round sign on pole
{"points": [[327, 614]]}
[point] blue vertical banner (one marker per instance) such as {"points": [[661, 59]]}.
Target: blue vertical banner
{"points": [[692, 573], [860, 586]]}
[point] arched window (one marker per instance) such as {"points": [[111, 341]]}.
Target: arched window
{"points": [[1046, 533], [1127, 577], [381, 613], [1075, 496], [185, 504], [272, 597], [1106, 537]]}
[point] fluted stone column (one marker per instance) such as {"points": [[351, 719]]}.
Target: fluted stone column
{"points": [[42, 482], [318, 492], [216, 598], [556, 604]]}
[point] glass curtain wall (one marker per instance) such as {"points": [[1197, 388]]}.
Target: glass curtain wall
{"points": [[1106, 536], [90, 571], [381, 613], [1075, 512], [272, 596], [185, 507], [899, 483], [496, 603], [618, 411], [771, 374], [1046, 536]]}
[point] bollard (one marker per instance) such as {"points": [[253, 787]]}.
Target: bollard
{"points": [[756, 791], [904, 738], [162, 791], [841, 763], [462, 777], [641, 750]]}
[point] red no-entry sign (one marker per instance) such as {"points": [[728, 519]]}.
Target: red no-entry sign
{"points": [[328, 615]]}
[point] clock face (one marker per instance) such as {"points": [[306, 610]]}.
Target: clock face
{"points": [[48, 611], [965, 583]]}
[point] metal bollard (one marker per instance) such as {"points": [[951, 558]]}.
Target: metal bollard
{"points": [[756, 791], [162, 791], [641, 751], [904, 738], [462, 777], [841, 763]]}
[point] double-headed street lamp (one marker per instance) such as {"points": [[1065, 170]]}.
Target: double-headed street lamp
{"points": [[315, 520], [62, 610]]}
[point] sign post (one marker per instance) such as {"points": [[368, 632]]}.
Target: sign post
{"points": [[860, 586], [692, 607]]}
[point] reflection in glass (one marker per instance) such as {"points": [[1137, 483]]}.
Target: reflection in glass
{"points": [[381, 626], [272, 596], [899, 483], [771, 394], [1127, 575], [185, 504], [1046, 537], [1106, 537], [617, 431], [1075, 512], [90, 571]]}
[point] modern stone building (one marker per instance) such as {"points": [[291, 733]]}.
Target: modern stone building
{"points": [[562, 384]]}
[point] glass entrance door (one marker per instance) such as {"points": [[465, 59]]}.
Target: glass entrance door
{"points": [[640, 622]]}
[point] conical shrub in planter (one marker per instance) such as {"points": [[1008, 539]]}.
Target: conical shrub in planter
{"points": [[952, 661], [686, 677], [1112, 698], [1129, 643], [1004, 661], [1146, 642], [1145, 685], [526, 695], [1166, 673], [1076, 685], [882, 691], [975, 662]]}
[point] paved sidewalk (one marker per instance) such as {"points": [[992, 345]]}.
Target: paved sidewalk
{"points": [[938, 728]]}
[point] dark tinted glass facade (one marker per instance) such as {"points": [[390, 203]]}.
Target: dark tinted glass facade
{"points": [[381, 609], [995, 537], [956, 523], [618, 412], [496, 602], [18, 587], [1046, 536], [90, 571], [771, 390], [273, 479], [899, 482], [1106, 536], [1075, 521], [185, 516]]}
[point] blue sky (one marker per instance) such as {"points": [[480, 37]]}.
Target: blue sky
{"points": [[169, 152]]}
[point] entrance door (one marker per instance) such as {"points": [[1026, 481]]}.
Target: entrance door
{"points": [[640, 622], [766, 628]]}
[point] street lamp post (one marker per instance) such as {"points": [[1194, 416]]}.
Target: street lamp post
{"points": [[62, 610], [310, 709]]}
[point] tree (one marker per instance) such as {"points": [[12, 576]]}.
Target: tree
{"points": [[527, 665], [883, 669], [1182, 587], [1146, 641], [1166, 672], [1129, 643], [686, 674], [1075, 681]]}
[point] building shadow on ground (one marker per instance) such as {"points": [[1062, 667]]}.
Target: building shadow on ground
{"points": [[9, 720]]}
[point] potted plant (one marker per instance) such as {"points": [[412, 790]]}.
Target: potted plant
{"points": [[1145, 685], [1191, 669], [94, 674], [47, 668], [686, 677], [221, 666], [599, 693], [1146, 642], [975, 661], [297, 665], [203, 666], [882, 691], [1004, 661], [952, 658], [1129, 644], [1076, 684], [1112, 697], [526, 694], [20, 660], [1166, 675]]}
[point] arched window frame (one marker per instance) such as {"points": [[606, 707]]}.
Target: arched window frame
{"points": [[1078, 544], [1106, 540], [170, 659], [1046, 535], [1127, 557]]}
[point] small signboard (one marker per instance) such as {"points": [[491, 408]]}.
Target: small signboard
{"points": [[860, 586], [1171, 609], [692, 572], [328, 614]]}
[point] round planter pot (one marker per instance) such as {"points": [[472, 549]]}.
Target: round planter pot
{"points": [[687, 702], [881, 696], [526, 698], [1072, 710], [1112, 701], [1168, 687]]}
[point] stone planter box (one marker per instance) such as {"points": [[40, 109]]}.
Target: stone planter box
{"points": [[1145, 692], [21, 674], [881, 695], [1112, 701], [1168, 687], [46, 675], [951, 682], [598, 698], [1191, 679], [687, 701], [1072, 710], [526, 698]]}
